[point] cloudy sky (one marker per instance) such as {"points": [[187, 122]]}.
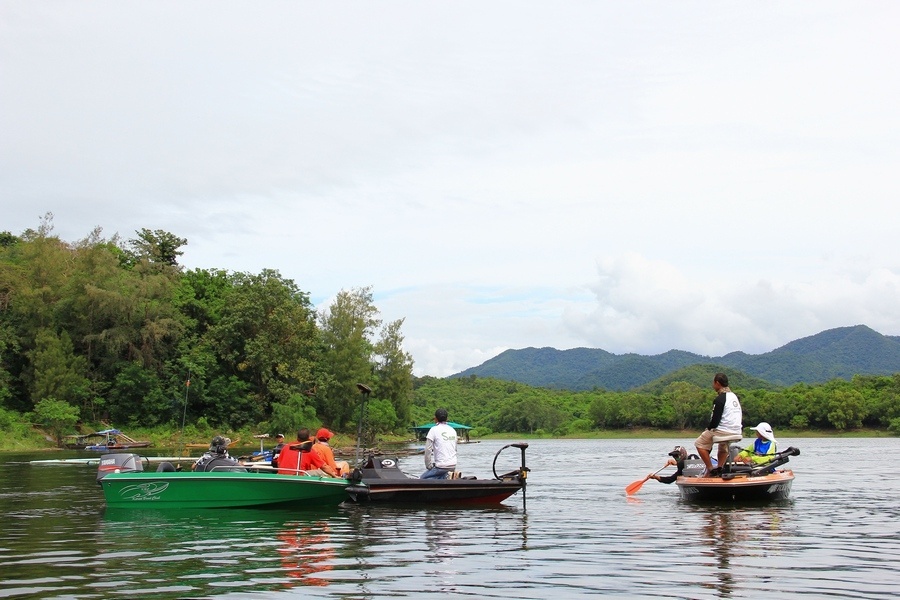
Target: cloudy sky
{"points": [[633, 176]]}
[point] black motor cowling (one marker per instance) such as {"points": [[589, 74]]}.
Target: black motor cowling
{"points": [[118, 463]]}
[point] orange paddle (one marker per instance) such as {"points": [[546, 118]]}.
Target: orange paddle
{"points": [[635, 486]]}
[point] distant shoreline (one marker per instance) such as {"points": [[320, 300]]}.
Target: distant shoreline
{"points": [[618, 434], [621, 434]]}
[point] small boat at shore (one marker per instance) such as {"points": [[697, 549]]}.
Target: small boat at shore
{"points": [[102, 441], [742, 483], [125, 483], [381, 480]]}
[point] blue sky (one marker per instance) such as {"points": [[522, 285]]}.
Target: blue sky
{"points": [[632, 176]]}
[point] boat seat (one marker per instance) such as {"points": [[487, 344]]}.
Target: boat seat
{"points": [[223, 464], [383, 467], [165, 467]]}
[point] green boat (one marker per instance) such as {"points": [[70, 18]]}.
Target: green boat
{"points": [[126, 484]]}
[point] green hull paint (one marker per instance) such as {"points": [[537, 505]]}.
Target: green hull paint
{"points": [[219, 490]]}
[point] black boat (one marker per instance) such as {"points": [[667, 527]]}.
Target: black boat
{"points": [[381, 480], [742, 483]]}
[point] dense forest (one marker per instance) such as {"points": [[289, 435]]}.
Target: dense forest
{"points": [[116, 330], [493, 405], [112, 330]]}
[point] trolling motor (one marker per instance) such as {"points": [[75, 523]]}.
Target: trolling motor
{"points": [[520, 474]]}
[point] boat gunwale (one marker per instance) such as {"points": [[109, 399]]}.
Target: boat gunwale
{"points": [[230, 475], [738, 481]]}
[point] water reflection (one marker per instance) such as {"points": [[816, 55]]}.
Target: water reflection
{"points": [[731, 539], [839, 537], [219, 549], [306, 550], [427, 548]]}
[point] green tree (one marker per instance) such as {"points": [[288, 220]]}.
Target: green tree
{"points": [[57, 416], [267, 337], [381, 416], [606, 411], [56, 371], [138, 397], [44, 263], [9, 348], [846, 409], [292, 414], [526, 414], [687, 403], [157, 247], [393, 370], [346, 329]]}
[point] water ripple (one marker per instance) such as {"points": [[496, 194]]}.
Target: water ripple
{"points": [[838, 537]]}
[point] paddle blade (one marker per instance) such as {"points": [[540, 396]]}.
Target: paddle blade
{"points": [[635, 486]]}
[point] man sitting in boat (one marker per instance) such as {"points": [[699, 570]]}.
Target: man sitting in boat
{"points": [[321, 446], [440, 448], [274, 452], [299, 459], [216, 456], [676, 459], [762, 449]]}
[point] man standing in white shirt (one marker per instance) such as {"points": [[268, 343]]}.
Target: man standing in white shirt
{"points": [[440, 448]]}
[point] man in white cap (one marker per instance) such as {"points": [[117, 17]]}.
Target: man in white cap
{"points": [[761, 450]]}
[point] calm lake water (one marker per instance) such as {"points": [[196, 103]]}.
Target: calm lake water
{"points": [[578, 535]]}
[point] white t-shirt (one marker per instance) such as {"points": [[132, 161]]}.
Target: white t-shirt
{"points": [[443, 440], [732, 416]]}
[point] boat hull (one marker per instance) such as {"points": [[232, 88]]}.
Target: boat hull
{"points": [[763, 488], [219, 490], [381, 480], [466, 491], [114, 448]]}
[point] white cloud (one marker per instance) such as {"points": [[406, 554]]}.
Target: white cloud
{"points": [[635, 176], [649, 307]]}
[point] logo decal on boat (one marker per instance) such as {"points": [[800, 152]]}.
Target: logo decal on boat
{"points": [[387, 462], [144, 491]]}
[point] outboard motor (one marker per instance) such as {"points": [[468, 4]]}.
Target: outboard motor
{"points": [[118, 463], [693, 467]]}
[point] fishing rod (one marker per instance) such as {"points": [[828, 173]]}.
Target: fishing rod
{"points": [[365, 390], [187, 387]]}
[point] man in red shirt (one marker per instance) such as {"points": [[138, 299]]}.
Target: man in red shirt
{"points": [[298, 458]]}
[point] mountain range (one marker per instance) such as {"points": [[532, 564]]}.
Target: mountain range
{"points": [[832, 354]]}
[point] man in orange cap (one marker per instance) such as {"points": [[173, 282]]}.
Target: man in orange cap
{"points": [[324, 450], [300, 459]]}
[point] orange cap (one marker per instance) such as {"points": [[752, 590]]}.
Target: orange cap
{"points": [[324, 434]]}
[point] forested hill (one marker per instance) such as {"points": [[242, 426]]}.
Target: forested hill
{"points": [[835, 353]]}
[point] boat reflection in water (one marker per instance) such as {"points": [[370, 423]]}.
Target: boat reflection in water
{"points": [[234, 550], [732, 538], [306, 550]]}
